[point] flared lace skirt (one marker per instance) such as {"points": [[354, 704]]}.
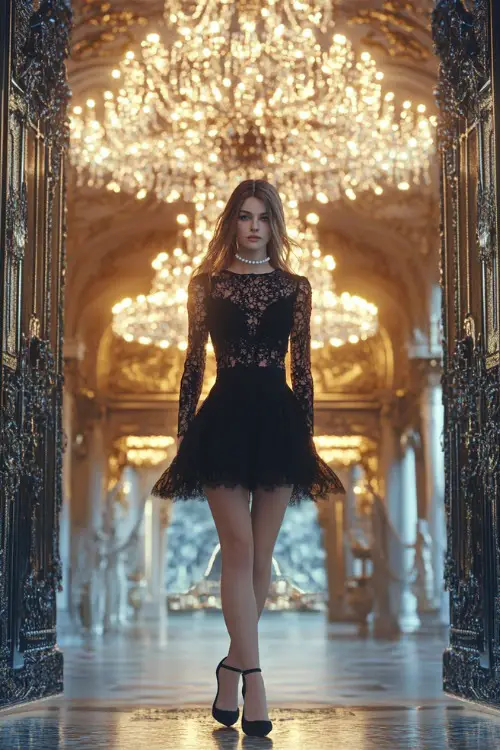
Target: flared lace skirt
{"points": [[252, 431]]}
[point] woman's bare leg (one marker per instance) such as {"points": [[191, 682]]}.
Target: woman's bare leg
{"points": [[268, 510], [231, 512]]}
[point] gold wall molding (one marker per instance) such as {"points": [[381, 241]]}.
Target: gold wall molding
{"points": [[400, 28], [129, 368], [100, 30]]}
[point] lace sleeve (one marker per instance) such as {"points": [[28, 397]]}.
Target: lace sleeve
{"points": [[194, 364], [300, 350]]}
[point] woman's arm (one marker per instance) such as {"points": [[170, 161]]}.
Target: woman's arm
{"points": [[300, 350], [194, 364]]}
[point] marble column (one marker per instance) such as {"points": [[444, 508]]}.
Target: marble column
{"points": [[96, 464], [97, 474], [331, 519], [123, 521], [398, 529], [385, 609], [353, 475], [432, 418], [405, 524], [156, 518]]}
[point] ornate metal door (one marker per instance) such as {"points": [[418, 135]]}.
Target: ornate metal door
{"points": [[33, 140], [467, 39]]}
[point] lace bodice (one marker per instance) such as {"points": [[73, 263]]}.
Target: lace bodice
{"points": [[251, 318]]}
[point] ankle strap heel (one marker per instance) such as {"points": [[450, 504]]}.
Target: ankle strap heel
{"points": [[259, 727], [234, 669], [245, 672], [224, 716]]}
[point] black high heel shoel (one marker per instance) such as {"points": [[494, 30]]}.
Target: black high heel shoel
{"points": [[259, 727], [222, 715]]}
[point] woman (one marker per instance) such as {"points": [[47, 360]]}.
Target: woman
{"points": [[252, 433]]}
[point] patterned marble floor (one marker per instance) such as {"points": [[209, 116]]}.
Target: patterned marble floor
{"points": [[152, 687]]}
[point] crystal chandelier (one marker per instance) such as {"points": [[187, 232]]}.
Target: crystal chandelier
{"points": [[142, 450], [160, 317], [335, 319], [296, 15], [220, 105], [193, 120]]}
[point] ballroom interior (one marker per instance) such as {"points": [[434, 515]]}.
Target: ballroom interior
{"points": [[373, 259], [169, 106]]}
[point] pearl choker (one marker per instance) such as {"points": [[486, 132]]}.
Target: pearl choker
{"points": [[246, 260]]}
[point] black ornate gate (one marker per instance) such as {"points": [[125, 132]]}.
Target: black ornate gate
{"points": [[467, 38], [33, 141]]}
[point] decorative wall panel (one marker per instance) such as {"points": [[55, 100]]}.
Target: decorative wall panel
{"points": [[469, 99], [34, 38]]}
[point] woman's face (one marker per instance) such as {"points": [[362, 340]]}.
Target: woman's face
{"points": [[253, 219]]}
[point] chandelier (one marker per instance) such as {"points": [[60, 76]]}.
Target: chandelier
{"points": [[318, 12], [160, 317], [240, 97], [141, 450], [248, 90], [335, 319]]}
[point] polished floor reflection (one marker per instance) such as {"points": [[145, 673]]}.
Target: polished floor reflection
{"points": [[152, 687]]}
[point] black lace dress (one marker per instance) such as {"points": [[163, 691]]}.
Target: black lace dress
{"points": [[252, 429]]}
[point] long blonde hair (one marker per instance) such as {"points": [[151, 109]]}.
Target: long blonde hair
{"points": [[222, 246]]}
